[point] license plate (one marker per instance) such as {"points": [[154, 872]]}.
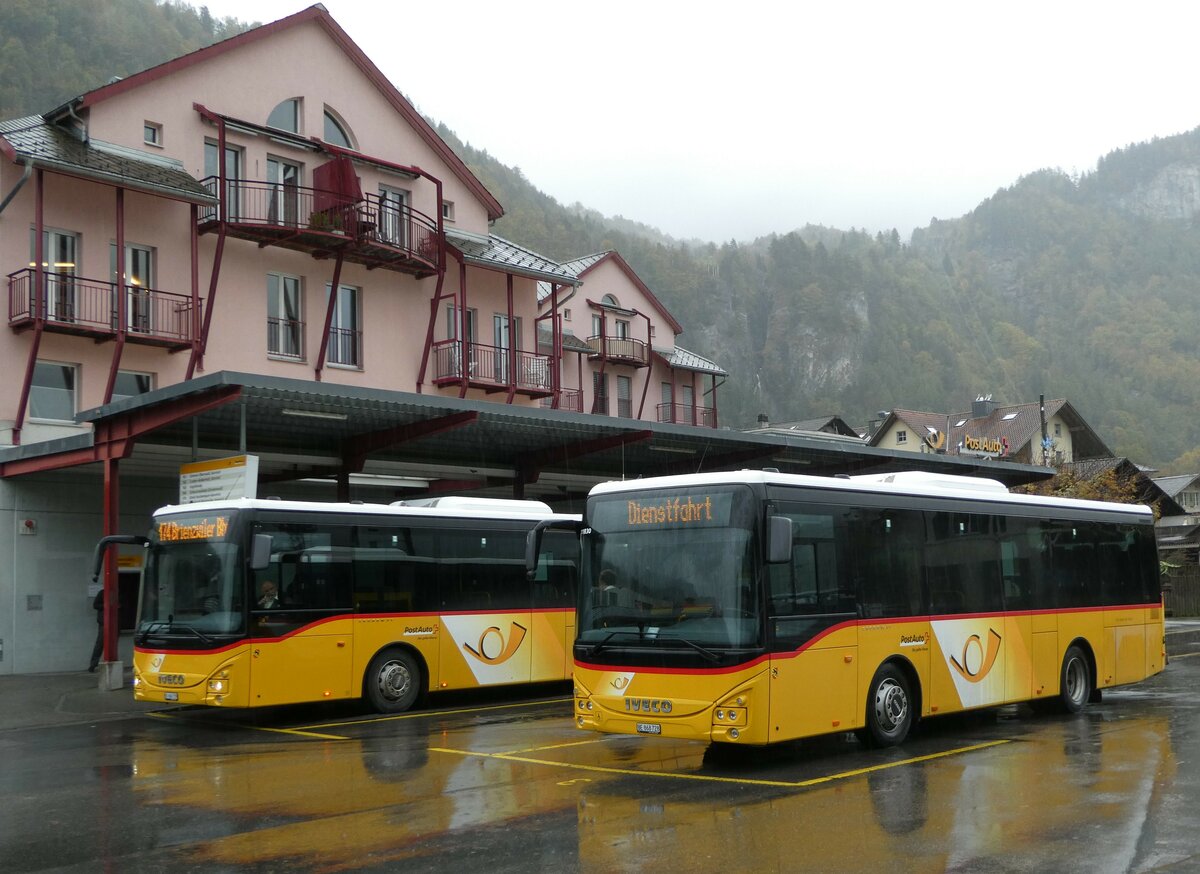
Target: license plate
{"points": [[171, 696], [649, 728]]}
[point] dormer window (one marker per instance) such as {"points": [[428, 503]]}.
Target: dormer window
{"points": [[286, 116], [335, 131]]}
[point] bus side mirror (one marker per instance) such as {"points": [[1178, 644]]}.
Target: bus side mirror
{"points": [[779, 540], [260, 552]]}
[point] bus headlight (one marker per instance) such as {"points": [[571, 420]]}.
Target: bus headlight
{"points": [[218, 685]]}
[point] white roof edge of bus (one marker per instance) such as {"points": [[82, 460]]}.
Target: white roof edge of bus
{"points": [[466, 502], [536, 512], [917, 483]]}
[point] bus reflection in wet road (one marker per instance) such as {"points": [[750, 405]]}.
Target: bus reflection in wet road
{"points": [[509, 785]]}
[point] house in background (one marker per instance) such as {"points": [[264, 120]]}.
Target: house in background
{"points": [[623, 341], [1179, 532], [1012, 432], [831, 426]]}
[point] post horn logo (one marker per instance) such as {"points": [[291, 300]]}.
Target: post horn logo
{"points": [[620, 683], [975, 663], [936, 440], [493, 650]]}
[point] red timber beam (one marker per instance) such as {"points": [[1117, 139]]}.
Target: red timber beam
{"points": [[511, 342], [199, 347], [333, 299], [122, 303], [38, 300], [115, 437], [649, 363], [356, 449], [529, 467]]}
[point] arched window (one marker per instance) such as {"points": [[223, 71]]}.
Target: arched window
{"points": [[609, 300], [286, 116], [336, 132]]}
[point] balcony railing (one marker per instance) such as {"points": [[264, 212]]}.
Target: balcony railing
{"points": [[285, 338], [624, 350], [345, 347], [687, 414], [371, 231], [489, 367], [570, 399], [91, 307]]}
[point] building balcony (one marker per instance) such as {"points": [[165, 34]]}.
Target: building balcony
{"points": [[366, 232], [91, 308], [687, 414], [619, 350], [570, 399], [492, 368]]}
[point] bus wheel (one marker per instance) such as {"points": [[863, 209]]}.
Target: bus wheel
{"points": [[393, 681], [889, 708], [1075, 682]]}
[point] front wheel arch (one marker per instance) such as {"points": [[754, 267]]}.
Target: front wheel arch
{"points": [[893, 704], [395, 679]]}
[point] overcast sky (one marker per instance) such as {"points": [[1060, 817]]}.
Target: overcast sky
{"points": [[734, 120]]}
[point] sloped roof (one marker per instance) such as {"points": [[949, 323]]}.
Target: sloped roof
{"points": [[823, 425], [1017, 424], [584, 265], [571, 343], [682, 359], [319, 15], [1173, 485], [51, 147], [497, 253]]}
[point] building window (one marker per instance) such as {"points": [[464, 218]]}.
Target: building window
{"points": [[286, 116], [625, 397], [152, 133], [622, 330], [137, 278], [283, 179], [52, 393], [393, 216], [600, 393], [345, 331], [567, 314], [285, 320], [233, 175], [448, 210], [1057, 429], [60, 253], [901, 436], [336, 130], [130, 383]]}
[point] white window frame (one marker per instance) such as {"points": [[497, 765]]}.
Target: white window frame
{"points": [[280, 293], [135, 373], [355, 330], [74, 391], [901, 437], [152, 134]]}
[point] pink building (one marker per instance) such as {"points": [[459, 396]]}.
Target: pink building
{"points": [[312, 226]]}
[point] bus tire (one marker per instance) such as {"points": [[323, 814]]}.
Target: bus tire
{"points": [[889, 708], [393, 681], [1075, 681]]}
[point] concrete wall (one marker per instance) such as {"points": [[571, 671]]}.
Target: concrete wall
{"points": [[47, 623]]}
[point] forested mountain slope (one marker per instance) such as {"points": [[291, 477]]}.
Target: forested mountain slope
{"points": [[1085, 288]]}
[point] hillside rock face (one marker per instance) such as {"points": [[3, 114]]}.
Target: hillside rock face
{"points": [[1173, 194]]}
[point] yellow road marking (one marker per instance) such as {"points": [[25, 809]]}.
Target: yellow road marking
{"points": [[295, 731], [789, 784], [424, 714], [574, 743], [1185, 655]]}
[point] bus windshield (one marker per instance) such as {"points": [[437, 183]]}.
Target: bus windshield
{"points": [[671, 565], [192, 586]]}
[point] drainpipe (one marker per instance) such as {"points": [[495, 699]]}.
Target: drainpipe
{"points": [[28, 162]]}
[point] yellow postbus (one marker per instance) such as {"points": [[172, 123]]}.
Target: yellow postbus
{"points": [[250, 603], [755, 607]]}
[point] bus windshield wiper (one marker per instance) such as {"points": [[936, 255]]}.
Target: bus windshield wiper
{"points": [[196, 631], [600, 644], [704, 651]]}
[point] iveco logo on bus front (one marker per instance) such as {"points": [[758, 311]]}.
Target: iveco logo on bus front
{"points": [[648, 705]]}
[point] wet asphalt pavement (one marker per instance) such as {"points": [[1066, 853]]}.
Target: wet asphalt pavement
{"points": [[502, 782]]}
